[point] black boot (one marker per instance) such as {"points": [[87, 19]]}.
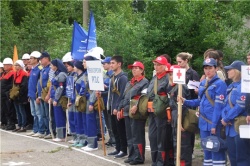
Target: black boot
{"points": [[10, 127], [139, 153]]}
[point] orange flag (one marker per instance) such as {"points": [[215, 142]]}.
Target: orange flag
{"points": [[15, 56]]}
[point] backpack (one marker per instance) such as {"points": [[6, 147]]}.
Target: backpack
{"points": [[160, 103], [80, 103], [142, 107]]}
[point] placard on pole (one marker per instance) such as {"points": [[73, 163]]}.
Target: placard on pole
{"points": [[179, 77]]}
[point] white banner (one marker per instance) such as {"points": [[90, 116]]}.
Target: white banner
{"points": [[95, 75], [179, 76], [245, 79]]}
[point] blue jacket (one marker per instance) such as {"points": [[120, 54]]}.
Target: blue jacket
{"points": [[58, 86], [33, 81], [217, 92], [44, 77], [74, 75], [82, 87], [237, 100]]}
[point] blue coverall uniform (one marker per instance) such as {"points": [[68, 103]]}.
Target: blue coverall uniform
{"points": [[212, 113]]}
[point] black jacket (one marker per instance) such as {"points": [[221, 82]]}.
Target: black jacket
{"points": [[120, 82], [6, 83], [130, 92]]}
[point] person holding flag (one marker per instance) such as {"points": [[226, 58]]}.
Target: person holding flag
{"points": [[90, 118], [186, 143]]}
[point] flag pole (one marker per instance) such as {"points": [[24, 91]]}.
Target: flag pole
{"points": [[67, 122], [100, 118], [178, 151], [50, 121]]}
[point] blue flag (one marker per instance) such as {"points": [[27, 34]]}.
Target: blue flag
{"points": [[70, 87], [91, 42], [79, 42]]}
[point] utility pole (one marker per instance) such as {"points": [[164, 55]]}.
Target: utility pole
{"points": [[85, 12]]}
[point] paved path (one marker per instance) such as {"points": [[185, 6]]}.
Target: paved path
{"points": [[19, 149]]}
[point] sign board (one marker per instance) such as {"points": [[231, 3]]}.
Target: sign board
{"points": [[179, 76], [245, 79], [95, 75], [70, 87]]}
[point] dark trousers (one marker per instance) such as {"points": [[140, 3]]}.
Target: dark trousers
{"points": [[186, 141], [186, 146], [135, 131], [28, 114], [8, 112], [160, 134], [238, 151], [118, 128], [107, 117]]}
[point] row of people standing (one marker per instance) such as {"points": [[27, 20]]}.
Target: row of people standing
{"points": [[119, 94], [212, 111], [12, 74], [220, 106], [125, 108]]}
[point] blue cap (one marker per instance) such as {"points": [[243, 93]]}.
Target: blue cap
{"points": [[78, 65], [106, 60], [44, 55], [235, 65], [210, 62]]}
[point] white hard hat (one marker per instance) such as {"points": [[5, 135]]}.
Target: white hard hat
{"points": [[95, 52], [35, 54], [8, 61], [26, 56], [1, 64], [67, 57], [20, 62]]}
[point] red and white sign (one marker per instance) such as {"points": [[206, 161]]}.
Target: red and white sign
{"points": [[179, 76]]}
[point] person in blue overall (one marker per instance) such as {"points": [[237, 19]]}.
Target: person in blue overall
{"points": [[90, 125], [79, 117], [58, 85], [238, 148], [69, 64], [212, 91]]}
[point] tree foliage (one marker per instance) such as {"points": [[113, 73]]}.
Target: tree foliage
{"points": [[135, 29]]}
